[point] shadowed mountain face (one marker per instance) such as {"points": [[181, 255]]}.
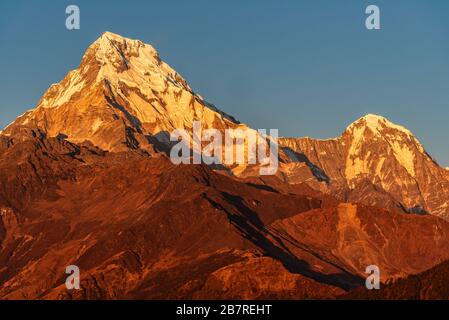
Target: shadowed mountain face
{"points": [[83, 182]]}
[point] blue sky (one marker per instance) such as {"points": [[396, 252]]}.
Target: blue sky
{"points": [[306, 67]]}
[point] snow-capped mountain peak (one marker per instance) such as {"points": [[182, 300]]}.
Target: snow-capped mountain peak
{"points": [[110, 47], [387, 138], [121, 94], [375, 153], [136, 62], [395, 137], [377, 124]]}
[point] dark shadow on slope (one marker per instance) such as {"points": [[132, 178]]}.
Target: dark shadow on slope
{"points": [[262, 187], [161, 142], [62, 136], [419, 210], [113, 103], [252, 228], [300, 157]]}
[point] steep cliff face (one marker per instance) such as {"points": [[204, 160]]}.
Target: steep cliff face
{"points": [[378, 163]]}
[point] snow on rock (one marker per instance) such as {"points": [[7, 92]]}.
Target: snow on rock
{"points": [[398, 139], [121, 94], [375, 162]]}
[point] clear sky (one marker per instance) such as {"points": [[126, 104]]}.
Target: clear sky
{"points": [[306, 67]]}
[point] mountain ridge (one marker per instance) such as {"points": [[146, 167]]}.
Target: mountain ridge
{"points": [[85, 180], [141, 227], [382, 158], [123, 96], [121, 91]]}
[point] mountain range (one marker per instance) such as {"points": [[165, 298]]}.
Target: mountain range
{"points": [[85, 180]]}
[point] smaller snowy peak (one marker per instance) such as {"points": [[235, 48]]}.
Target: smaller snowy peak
{"points": [[390, 138], [383, 128], [377, 124]]}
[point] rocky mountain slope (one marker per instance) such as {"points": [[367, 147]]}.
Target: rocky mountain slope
{"points": [[374, 162], [141, 227], [85, 180], [121, 96]]}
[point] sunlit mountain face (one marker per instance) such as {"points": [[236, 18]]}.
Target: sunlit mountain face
{"points": [[87, 179]]}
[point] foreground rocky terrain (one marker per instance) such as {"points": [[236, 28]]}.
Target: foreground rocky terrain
{"points": [[85, 180], [140, 227]]}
